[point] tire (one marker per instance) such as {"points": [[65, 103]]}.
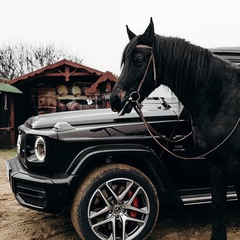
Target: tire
{"points": [[115, 201]]}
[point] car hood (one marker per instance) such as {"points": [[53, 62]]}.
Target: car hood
{"points": [[94, 116]]}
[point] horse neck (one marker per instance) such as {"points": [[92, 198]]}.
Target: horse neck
{"points": [[197, 81]]}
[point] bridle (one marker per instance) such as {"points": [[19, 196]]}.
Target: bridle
{"points": [[135, 95], [134, 99]]}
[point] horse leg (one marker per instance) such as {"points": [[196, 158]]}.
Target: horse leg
{"points": [[218, 179]]}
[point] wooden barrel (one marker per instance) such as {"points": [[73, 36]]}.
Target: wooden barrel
{"points": [[73, 105], [61, 107], [62, 90], [47, 101], [75, 91], [34, 101]]}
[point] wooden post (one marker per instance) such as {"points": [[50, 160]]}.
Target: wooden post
{"points": [[12, 120]]}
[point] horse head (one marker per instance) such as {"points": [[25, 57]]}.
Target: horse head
{"points": [[136, 80]]}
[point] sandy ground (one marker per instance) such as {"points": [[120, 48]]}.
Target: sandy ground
{"points": [[17, 222]]}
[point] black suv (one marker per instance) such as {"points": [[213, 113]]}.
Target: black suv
{"points": [[108, 169]]}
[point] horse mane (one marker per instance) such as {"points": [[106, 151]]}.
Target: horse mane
{"points": [[182, 63], [179, 62]]}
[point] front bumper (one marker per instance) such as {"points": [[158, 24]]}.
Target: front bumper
{"points": [[48, 194]]}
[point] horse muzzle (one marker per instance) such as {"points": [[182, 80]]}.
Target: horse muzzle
{"points": [[121, 103]]}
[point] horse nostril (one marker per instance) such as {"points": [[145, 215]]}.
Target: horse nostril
{"points": [[114, 100], [117, 99]]}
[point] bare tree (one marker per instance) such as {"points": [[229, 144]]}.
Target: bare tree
{"points": [[19, 59]]}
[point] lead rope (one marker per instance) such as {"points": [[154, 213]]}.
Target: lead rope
{"points": [[158, 134], [139, 112], [134, 98]]}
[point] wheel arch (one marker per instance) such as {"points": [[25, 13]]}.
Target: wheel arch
{"points": [[136, 155]]}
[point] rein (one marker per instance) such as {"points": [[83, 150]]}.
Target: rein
{"points": [[151, 132], [135, 97]]}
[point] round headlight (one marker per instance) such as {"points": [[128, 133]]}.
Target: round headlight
{"points": [[19, 143], [40, 149]]}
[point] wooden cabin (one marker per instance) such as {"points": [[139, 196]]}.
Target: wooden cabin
{"points": [[62, 86], [7, 124]]}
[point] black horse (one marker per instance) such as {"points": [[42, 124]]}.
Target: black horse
{"points": [[209, 89]]}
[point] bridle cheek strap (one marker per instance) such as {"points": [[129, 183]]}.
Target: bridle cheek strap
{"points": [[135, 95], [151, 59]]}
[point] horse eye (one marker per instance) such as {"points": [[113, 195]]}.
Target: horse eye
{"points": [[138, 59]]}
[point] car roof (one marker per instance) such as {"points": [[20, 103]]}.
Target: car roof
{"points": [[228, 53], [226, 50]]}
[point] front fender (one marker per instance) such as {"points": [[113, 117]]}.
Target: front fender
{"points": [[137, 155], [90, 153]]}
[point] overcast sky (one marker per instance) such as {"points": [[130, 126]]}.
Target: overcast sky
{"points": [[95, 31]]}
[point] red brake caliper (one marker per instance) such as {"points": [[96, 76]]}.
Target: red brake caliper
{"points": [[132, 213]]}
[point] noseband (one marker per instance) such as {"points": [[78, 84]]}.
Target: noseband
{"points": [[135, 95]]}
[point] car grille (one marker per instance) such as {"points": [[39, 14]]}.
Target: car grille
{"points": [[31, 194]]}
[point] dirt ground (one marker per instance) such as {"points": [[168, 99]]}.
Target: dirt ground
{"points": [[17, 222]]}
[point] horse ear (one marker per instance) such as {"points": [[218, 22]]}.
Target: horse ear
{"points": [[131, 35], [148, 36]]}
